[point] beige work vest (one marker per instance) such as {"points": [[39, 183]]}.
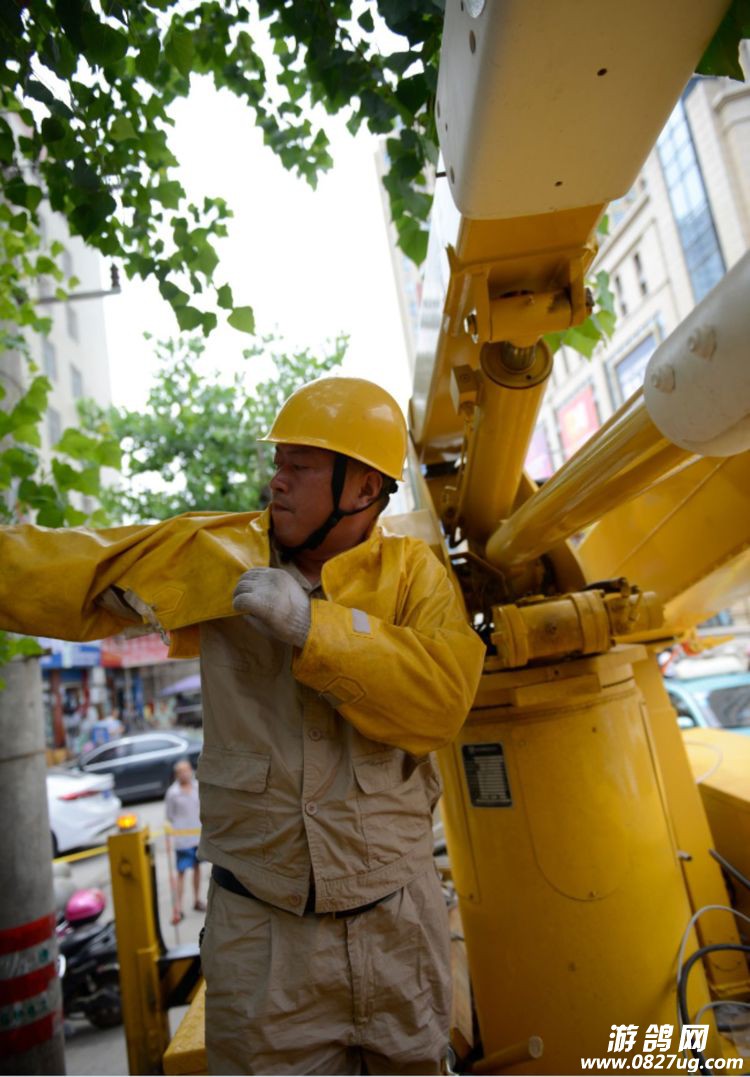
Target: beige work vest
{"points": [[292, 792]]}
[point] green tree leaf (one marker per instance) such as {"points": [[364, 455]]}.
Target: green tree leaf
{"points": [[722, 54], [122, 129], [224, 297], [188, 318], [20, 463], [76, 444], [53, 129], [75, 518], [7, 142], [243, 319], [102, 44], [169, 193], [29, 435], [147, 60], [21, 193], [51, 514], [179, 49]]}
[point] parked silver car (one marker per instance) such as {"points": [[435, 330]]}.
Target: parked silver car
{"points": [[142, 764]]}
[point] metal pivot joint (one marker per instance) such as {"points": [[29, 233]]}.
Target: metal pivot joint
{"points": [[584, 623]]}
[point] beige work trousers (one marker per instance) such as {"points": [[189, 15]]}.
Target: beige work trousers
{"points": [[317, 995]]}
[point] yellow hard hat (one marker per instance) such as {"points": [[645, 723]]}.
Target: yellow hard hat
{"points": [[350, 416]]}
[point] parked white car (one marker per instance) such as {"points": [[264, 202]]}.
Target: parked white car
{"points": [[83, 808]]}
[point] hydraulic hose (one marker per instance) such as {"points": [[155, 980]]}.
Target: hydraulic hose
{"points": [[682, 989]]}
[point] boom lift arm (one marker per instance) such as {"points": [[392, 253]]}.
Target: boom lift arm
{"points": [[578, 843]]}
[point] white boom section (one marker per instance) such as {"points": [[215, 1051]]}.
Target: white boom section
{"points": [[545, 105], [697, 383]]}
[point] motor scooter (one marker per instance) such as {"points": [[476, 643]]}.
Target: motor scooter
{"points": [[87, 963]]}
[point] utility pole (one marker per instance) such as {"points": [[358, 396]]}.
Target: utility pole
{"points": [[31, 1025]]}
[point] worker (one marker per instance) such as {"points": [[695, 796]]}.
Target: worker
{"points": [[335, 658], [326, 947]]}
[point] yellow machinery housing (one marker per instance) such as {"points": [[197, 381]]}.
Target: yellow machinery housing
{"points": [[572, 896]]}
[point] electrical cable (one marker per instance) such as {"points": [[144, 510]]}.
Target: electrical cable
{"points": [[682, 989], [733, 871], [686, 934], [715, 766], [691, 923], [717, 1004]]}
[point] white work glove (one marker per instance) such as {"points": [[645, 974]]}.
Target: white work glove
{"points": [[274, 604]]}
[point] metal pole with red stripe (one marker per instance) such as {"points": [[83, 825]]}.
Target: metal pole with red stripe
{"points": [[31, 1024], [30, 995]]}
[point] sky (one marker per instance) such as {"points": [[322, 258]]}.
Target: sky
{"points": [[312, 264]]}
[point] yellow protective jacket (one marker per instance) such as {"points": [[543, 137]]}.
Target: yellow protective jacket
{"points": [[405, 675]]}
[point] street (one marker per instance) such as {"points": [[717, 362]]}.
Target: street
{"points": [[89, 1050]]}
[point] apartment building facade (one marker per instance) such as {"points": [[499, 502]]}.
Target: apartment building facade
{"points": [[73, 354], [685, 222]]}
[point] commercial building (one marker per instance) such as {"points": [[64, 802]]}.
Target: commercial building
{"points": [[685, 222]]}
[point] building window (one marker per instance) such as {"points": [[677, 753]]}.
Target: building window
{"points": [[640, 275], [631, 368], [620, 295], [71, 320], [76, 382], [539, 458], [50, 359], [67, 263], [692, 213], [620, 208], [577, 419], [54, 426]]}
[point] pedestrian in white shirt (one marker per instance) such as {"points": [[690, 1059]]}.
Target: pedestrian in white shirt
{"points": [[183, 813]]}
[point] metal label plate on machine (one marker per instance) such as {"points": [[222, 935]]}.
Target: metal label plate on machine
{"points": [[486, 775]]}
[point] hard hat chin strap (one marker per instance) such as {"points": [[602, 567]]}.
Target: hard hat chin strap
{"points": [[321, 533]]}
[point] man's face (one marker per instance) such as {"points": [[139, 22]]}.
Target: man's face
{"points": [[301, 492], [183, 773]]}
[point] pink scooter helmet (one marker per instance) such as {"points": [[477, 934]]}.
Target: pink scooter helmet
{"points": [[85, 906]]}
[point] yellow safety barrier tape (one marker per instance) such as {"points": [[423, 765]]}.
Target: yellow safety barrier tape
{"points": [[80, 856], [70, 858]]}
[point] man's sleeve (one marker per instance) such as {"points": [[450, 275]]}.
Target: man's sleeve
{"points": [[83, 584], [410, 684], [49, 578]]}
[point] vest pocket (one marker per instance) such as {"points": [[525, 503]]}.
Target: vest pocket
{"points": [[234, 801], [393, 802]]}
